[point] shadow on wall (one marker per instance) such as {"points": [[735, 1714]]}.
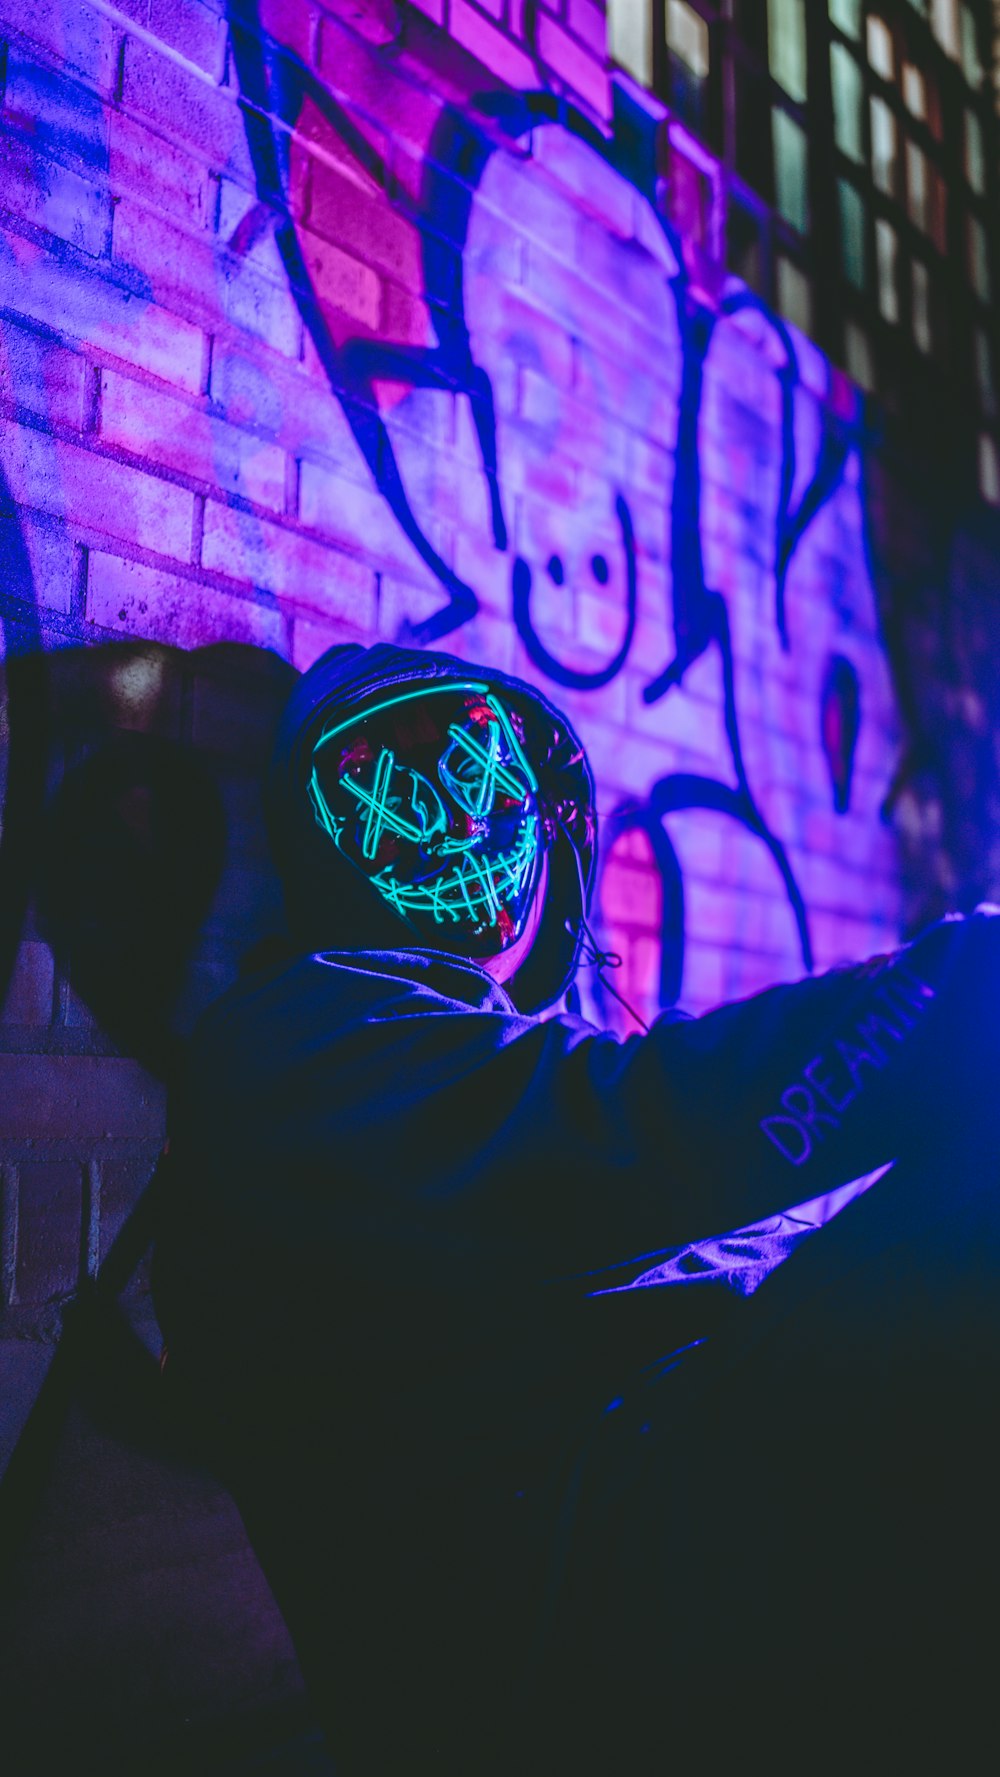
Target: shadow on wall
{"points": [[144, 862], [138, 1622]]}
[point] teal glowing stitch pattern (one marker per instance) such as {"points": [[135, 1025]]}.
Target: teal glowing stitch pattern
{"points": [[431, 795]]}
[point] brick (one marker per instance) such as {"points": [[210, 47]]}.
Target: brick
{"points": [[76, 36], [136, 600], [377, 21], [300, 410], [191, 440], [122, 1182], [42, 376], [582, 73], [431, 9], [60, 116], [310, 640], [203, 117], [80, 485], [189, 272], [49, 1216], [359, 516], [193, 30], [291, 23], [144, 163], [61, 1097], [52, 560], [364, 221], [586, 19], [38, 190], [348, 291], [29, 997], [496, 52], [596, 186], [285, 563], [79, 303]]}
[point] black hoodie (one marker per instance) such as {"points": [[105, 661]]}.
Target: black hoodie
{"points": [[421, 1243]]}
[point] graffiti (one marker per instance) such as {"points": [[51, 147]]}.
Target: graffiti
{"points": [[451, 218]]}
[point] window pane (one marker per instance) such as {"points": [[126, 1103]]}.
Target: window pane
{"points": [[786, 40], [917, 194], [630, 38], [920, 6], [984, 373], [858, 356], [791, 170], [852, 232], [886, 249], [920, 290], [688, 54], [975, 159], [687, 35], [989, 469], [914, 93], [972, 67], [848, 96], [880, 47], [883, 146], [794, 295], [979, 264], [846, 15], [944, 24]]}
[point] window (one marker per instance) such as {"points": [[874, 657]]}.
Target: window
{"points": [[914, 92], [886, 253], [750, 19], [920, 304], [944, 24], [786, 45], [630, 39], [791, 170], [848, 97], [984, 373], [975, 159], [689, 64], [880, 47], [917, 187], [846, 15], [979, 263], [972, 67], [794, 294], [687, 37], [883, 146], [989, 469], [852, 232], [858, 356]]}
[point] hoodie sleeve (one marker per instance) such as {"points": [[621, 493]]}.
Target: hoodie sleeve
{"points": [[708, 1124]]}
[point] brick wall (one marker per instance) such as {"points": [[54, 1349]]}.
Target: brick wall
{"points": [[328, 322], [277, 287]]}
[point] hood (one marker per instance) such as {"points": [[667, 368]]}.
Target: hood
{"points": [[332, 905]]}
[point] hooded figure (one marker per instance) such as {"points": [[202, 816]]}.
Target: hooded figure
{"points": [[481, 1312]]}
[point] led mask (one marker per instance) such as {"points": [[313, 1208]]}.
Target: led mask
{"points": [[430, 795]]}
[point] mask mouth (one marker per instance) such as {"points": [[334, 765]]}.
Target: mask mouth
{"points": [[430, 795]]}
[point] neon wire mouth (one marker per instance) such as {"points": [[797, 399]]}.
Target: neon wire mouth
{"points": [[476, 887]]}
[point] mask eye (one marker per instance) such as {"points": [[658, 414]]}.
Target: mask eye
{"points": [[473, 772], [393, 799]]}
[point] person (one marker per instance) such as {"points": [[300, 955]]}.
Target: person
{"points": [[569, 1437]]}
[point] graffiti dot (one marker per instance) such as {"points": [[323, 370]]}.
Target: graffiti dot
{"points": [[599, 568], [556, 571]]}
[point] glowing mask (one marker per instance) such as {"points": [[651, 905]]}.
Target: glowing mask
{"points": [[429, 794]]}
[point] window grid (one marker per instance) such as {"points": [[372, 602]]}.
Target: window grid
{"points": [[858, 179]]}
